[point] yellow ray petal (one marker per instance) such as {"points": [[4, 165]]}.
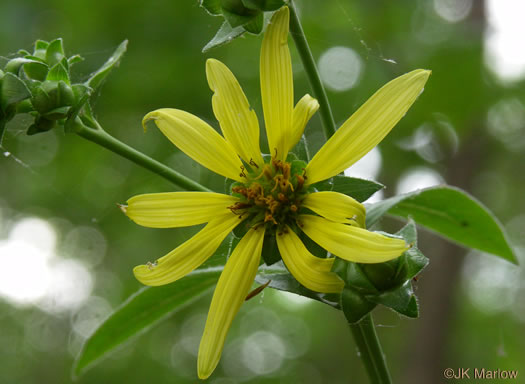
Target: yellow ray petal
{"points": [[336, 207], [189, 255], [232, 288], [238, 122], [198, 140], [351, 243], [303, 111], [277, 84], [367, 126], [312, 272], [177, 209]]}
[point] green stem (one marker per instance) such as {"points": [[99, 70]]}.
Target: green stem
{"points": [[364, 331], [101, 137], [370, 349], [296, 30]]}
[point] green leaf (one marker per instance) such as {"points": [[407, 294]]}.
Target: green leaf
{"points": [[96, 79], [41, 49], [36, 70], [270, 253], [236, 20], [58, 73], [75, 59], [41, 44], [402, 300], [301, 150], [140, 312], [263, 5], [256, 25], [452, 213], [149, 306], [282, 280], [213, 7], [354, 305], [57, 113], [415, 260], [359, 189], [54, 52], [224, 35], [40, 125], [13, 90], [15, 64]]}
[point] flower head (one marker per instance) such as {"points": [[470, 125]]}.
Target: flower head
{"points": [[272, 195]]}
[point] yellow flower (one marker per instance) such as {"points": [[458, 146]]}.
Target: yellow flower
{"points": [[273, 195]]}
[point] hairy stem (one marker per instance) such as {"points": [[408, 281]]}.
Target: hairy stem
{"points": [[372, 355]]}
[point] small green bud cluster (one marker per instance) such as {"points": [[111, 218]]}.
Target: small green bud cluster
{"points": [[246, 13], [388, 283], [39, 83]]}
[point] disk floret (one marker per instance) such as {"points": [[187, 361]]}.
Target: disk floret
{"points": [[271, 196]]}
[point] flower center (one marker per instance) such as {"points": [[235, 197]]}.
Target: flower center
{"points": [[272, 195]]}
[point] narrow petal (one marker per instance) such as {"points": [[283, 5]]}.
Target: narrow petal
{"points": [[351, 243], [232, 288], [277, 84], [198, 140], [367, 126], [312, 272], [189, 255], [302, 113], [177, 209], [238, 122], [336, 207]]}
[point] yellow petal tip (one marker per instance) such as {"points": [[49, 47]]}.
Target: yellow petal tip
{"points": [[150, 116], [203, 375], [123, 208], [423, 73]]}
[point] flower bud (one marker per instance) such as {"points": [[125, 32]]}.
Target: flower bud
{"points": [[388, 283], [41, 124], [263, 5], [237, 14], [53, 99]]}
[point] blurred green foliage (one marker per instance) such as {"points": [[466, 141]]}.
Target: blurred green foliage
{"points": [[73, 184]]}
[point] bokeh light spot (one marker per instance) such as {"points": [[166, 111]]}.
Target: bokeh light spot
{"points": [[453, 10], [340, 68], [418, 178]]}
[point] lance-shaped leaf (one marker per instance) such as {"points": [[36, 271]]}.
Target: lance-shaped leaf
{"points": [[213, 7], [279, 278], [452, 213], [96, 79], [224, 35], [140, 312], [402, 300], [148, 307], [359, 189]]}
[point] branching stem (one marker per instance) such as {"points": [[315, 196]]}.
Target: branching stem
{"points": [[101, 137]]}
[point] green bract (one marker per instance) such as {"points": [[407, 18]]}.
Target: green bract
{"points": [[39, 83], [240, 16]]}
